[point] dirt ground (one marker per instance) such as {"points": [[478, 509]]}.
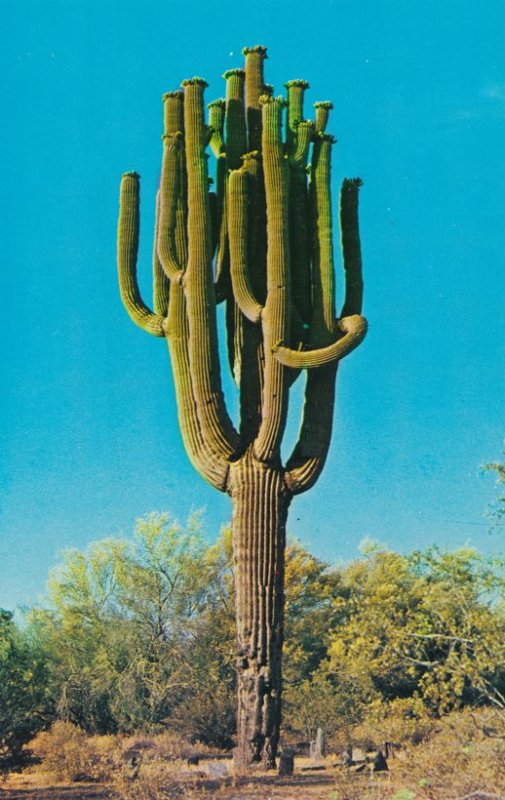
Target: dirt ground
{"points": [[178, 781], [302, 785]]}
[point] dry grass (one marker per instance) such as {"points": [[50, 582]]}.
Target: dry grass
{"points": [[442, 760]]}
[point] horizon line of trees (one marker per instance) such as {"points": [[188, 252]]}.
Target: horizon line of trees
{"points": [[138, 634]]}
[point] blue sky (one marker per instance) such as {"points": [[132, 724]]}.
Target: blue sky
{"points": [[89, 438]]}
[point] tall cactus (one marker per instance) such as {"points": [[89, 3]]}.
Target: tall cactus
{"points": [[262, 243]]}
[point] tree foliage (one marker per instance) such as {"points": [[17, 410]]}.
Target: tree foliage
{"points": [[430, 625], [138, 628], [139, 634], [24, 702], [497, 510]]}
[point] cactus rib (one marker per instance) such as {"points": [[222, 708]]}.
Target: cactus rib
{"points": [[127, 249]]}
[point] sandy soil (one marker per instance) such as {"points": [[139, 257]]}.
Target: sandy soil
{"points": [[303, 785]]}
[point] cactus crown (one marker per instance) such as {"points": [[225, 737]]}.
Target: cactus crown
{"points": [[258, 48], [236, 71], [261, 240], [196, 81], [297, 83], [177, 94]]}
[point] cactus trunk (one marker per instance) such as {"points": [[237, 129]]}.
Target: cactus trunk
{"points": [[263, 244], [260, 505]]}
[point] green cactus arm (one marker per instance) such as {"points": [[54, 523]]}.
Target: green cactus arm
{"points": [[235, 122], [216, 124], [296, 90], [222, 278], [245, 337], [215, 220], [254, 88], [304, 136], [181, 212], [351, 248], [206, 460], [127, 251], [173, 111], [323, 276], [217, 113], [161, 284], [170, 188], [251, 381], [215, 423], [275, 316], [308, 458], [354, 329], [323, 108], [219, 222], [238, 234], [240, 298], [299, 223], [171, 242], [309, 455], [257, 224]]}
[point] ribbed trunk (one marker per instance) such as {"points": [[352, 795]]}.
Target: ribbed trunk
{"points": [[260, 505]]}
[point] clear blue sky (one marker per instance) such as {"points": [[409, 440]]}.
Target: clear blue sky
{"points": [[89, 438]]}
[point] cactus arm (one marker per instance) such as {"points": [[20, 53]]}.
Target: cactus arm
{"points": [[181, 213], [308, 458], [214, 221], [170, 188], [243, 310], [236, 144], [323, 108], [215, 423], [304, 135], [248, 356], [173, 111], [257, 222], [216, 199], [296, 90], [248, 353], [238, 234], [298, 138], [216, 124], [171, 251], [235, 124], [275, 316], [254, 61], [351, 248], [208, 462], [222, 278], [254, 89], [323, 318], [251, 382], [299, 223], [161, 284], [354, 329], [351, 324], [218, 147], [127, 251]]}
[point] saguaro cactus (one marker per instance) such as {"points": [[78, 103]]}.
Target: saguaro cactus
{"points": [[262, 243]]}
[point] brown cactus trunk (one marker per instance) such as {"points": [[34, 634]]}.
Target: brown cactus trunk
{"points": [[260, 505]]}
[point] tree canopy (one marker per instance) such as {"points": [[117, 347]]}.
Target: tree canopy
{"points": [[138, 634]]}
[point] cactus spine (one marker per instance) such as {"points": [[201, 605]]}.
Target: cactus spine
{"points": [[262, 243]]}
